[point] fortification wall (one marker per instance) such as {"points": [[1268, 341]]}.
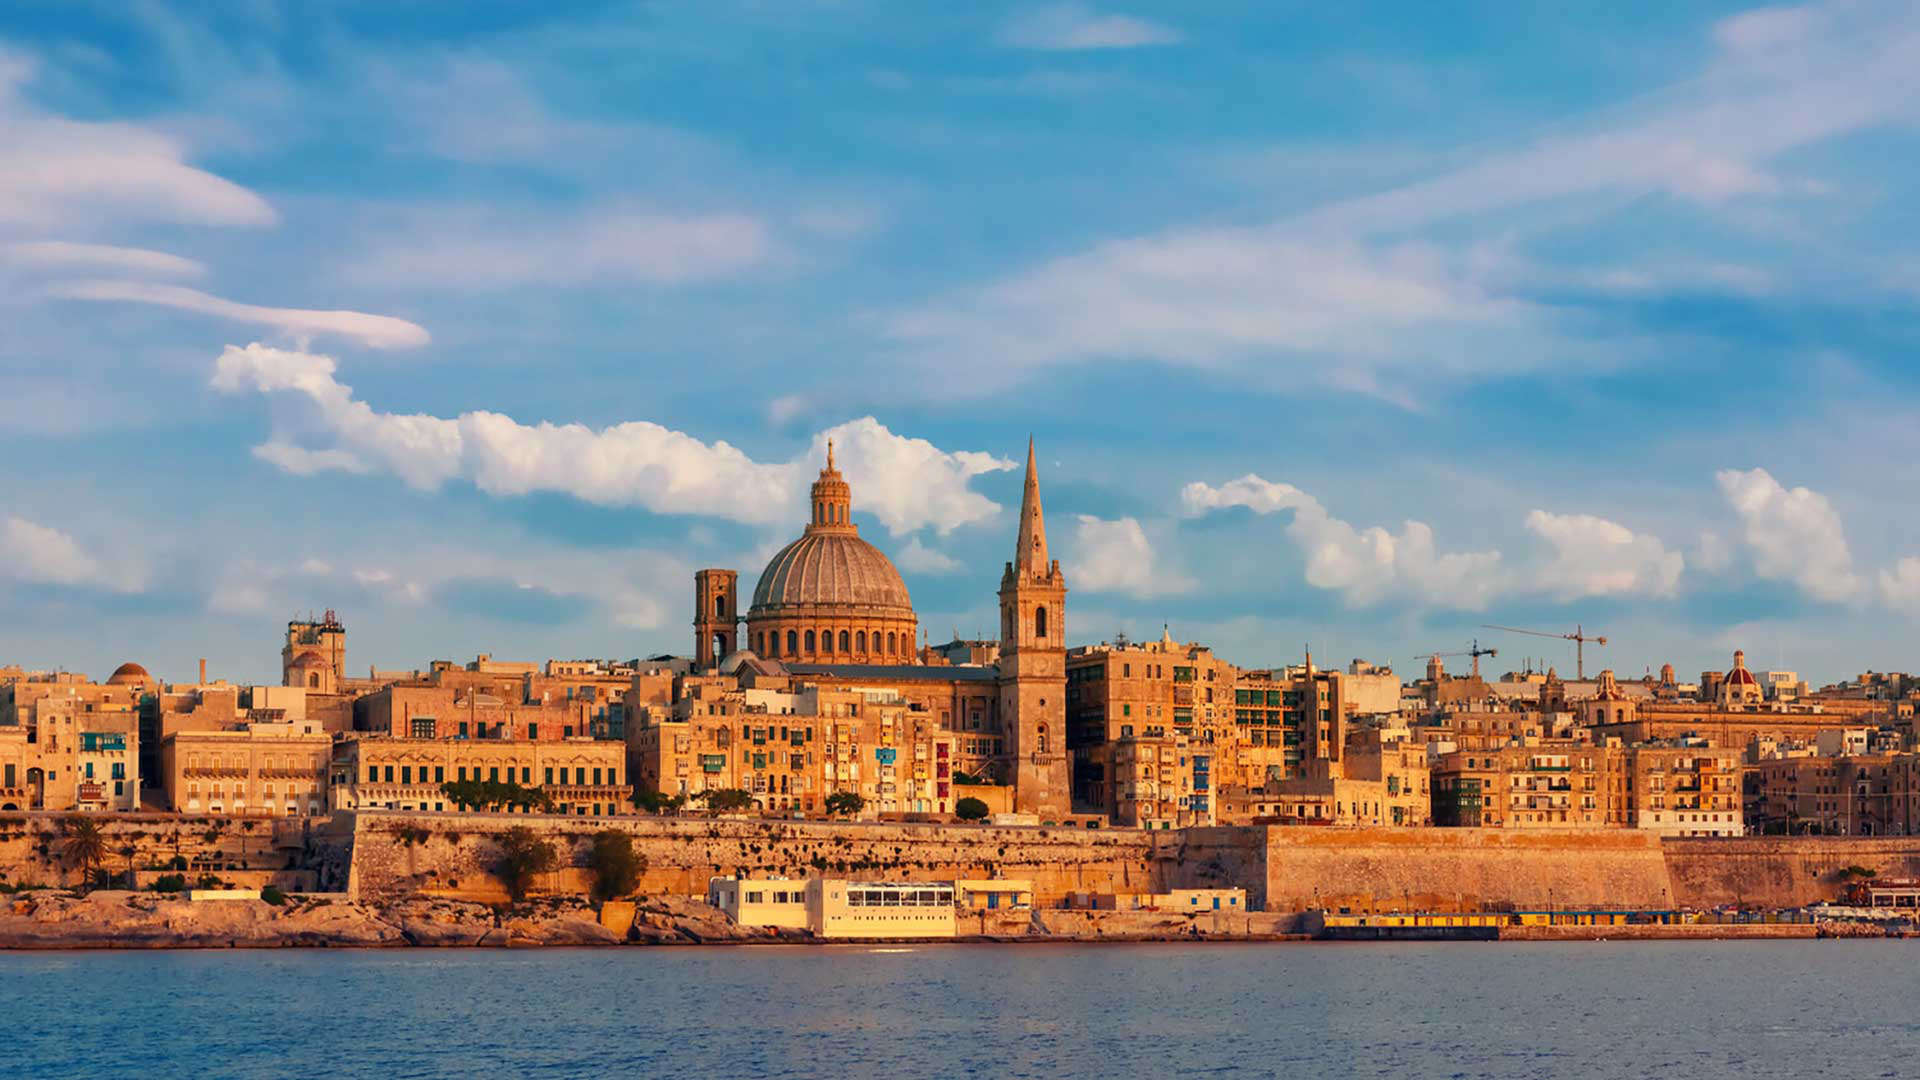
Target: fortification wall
{"points": [[452, 854], [1780, 871], [33, 849]]}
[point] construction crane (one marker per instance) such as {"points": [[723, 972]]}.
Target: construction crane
{"points": [[1579, 637], [1474, 651]]}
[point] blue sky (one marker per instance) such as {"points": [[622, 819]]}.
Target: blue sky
{"points": [[1360, 328]]}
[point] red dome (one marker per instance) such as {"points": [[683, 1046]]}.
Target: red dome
{"points": [[129, 674]]}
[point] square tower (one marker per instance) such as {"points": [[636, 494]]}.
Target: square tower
{"points": [[1033, 663], [716, 618], [315, 655]]}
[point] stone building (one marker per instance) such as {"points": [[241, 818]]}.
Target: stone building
{"points": [[1131, 704], [67, 743], [1852, 795], [582, 776], [263, 769]]}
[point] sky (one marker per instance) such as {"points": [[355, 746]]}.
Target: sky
{"points": [[1343, 327]]}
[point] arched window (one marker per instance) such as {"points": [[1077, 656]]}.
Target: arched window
{"points": [[720, 605], [1040, 622], [810, 641], [1040, 740], [860, 641], [891, 647], [843, 641], [313, 680]]}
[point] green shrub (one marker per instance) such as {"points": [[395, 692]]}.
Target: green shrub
{"points": [[616, 866], [169, 883], [971, 809], [273, 895]]}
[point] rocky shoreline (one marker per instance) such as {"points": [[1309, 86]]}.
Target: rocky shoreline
{"points": [[111, 919]]}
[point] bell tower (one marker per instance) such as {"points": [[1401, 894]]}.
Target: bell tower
{"points": [[716, 618], [1033, 662]]}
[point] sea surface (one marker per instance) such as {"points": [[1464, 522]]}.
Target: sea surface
{"points": [[1654, 1009]]}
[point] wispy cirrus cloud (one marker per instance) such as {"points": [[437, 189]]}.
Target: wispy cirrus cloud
{"points": [[374, 331], [57, 172], [1072, 27], [54, 255]]}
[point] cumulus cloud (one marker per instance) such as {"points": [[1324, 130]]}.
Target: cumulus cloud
{"points": [[374, 331], [907, 483], [62, 254], [1364, 565], [921, 559], [1793, 534], [1900, 586], [1116, 556], [1065, 27], [37, 554], [56, 171], [1596, 557]]}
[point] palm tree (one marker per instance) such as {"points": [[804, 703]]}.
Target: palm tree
{"points": [[85, 844], [127, 851]]}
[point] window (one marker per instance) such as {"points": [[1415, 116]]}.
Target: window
{"points": [[596, 778], [439, 774], [406, 774], [719, 605], [423, 727], [792, 636], [580, 775], [891, 647], [493, 772], [810, 647], [463, 729], [533, 730], [389, 774], [860, 641], [373, 774], [549, 774], [1040, 622], [843, 641]]}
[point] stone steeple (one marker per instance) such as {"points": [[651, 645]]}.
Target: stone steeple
{"points": [[1031, 558], [1032, 669]]}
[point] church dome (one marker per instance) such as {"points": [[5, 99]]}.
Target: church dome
{"points": [[831, 568], [129, 674], [831, 596]]}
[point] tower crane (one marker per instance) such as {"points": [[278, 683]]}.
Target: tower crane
{"points": [[1474, 651], [1579, 637]]}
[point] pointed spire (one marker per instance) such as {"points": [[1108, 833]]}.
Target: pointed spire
{"points": [[1031, 558], [829, 455]]}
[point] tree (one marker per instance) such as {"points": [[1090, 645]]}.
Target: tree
{"points": [[616, 866], [494, 795], [845, 803], [972, 779], [726, 800], [523, 855], [85, 844], [655, 802], [971, 809], [127, 852]]}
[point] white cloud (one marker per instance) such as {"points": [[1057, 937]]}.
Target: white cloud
{"points": [[1900, 586], [1596, 557], [921, 559], [1077, 26], [1712, 553], [1364, 565], [374, 331], [1794, 535], [40, 555], [60, 254], [56, 171], [1116, 556], [907, 483]]}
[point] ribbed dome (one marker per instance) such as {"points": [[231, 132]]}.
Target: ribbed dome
{"points": [[128, 674], [831, 568]]}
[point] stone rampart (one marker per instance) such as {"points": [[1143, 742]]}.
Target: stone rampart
{"points": [[453, 854], [1780, 871]]}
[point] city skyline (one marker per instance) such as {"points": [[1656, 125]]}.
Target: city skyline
{"points": [[1593, 323]]}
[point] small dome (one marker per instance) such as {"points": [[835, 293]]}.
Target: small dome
{"points": [[129, 674], [308, 659], [831, 568]]}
